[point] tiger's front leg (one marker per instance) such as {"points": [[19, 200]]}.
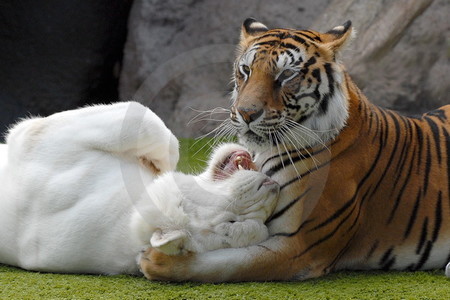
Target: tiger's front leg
{"points": [[271, 260]]}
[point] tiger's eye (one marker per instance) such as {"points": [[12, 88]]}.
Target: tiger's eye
{"points": [[245, 69]]}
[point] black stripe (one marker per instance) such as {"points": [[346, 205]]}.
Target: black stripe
{"points": [[295, 232], [298, 61], [275, 34], [425, 256], [427, 166], [402, 189], [325, 100], [314, 36], [447, 145], [393, 151], [412, 218], [387, 266], [423, 236], [266, 248], [304, 118], [288, 161], [403, 153], [386, 256], [299, 40], [329, 72], [303, 175], [437, 218], [289, 46], [325, 238], [438, 113], [372, 249], [420, 143], [436, 136], [377, 127], [337, 214], [323, 108], [344, 249], [385, 131], [316, 74], [309, 63], [369, 116], [354, 197], [284, 209], [270, 43], [290, 54], [361, 204], [292, 106]]}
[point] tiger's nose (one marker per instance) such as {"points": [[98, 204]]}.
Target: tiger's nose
{"points": [[249, 115]]}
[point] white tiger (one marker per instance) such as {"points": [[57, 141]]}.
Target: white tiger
{"points": [[80, 193]]}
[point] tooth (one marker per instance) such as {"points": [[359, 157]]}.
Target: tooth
{"points": [[240, 167]]}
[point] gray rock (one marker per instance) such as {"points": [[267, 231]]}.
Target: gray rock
{"points": [[401, 55]]}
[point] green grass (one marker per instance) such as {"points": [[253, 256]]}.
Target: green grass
{"points": [[19, 284]]}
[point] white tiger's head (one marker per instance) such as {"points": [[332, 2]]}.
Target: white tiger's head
{"points": [[226, 206]]}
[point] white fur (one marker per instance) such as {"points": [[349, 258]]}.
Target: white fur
{"points": [[76, 198]]}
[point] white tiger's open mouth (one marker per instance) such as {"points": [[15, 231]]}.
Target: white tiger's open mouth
{"points": [[236, 160]]}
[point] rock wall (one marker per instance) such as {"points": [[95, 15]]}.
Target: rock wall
{"points": [[179, 54], [401, 55]]}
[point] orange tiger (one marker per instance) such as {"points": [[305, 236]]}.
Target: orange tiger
{"points": [[361, 187]]}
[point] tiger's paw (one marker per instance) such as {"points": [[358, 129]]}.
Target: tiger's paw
{"points": [[156, 265]]}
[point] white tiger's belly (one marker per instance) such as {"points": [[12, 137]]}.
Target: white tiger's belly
{"points": [[75, 219], [3, 155], [8, 247]]}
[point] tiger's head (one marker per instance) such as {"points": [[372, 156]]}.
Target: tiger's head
{"points": [[288, 86]]}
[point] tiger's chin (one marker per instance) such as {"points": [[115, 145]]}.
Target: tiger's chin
{"points": [[292, 135], [255, 142]]}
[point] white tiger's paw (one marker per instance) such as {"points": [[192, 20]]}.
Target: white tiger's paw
{"points": [[163, 157], [241, 234], [447, 270]]}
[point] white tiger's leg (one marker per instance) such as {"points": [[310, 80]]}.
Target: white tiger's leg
{"points": [[128, 129], [447, 270], [243, 233], [270, 260]]}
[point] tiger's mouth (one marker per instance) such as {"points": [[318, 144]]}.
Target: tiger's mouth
{"points": [[235, 161]]}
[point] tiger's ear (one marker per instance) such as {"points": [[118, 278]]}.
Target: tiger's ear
{"points": [[337, 38], [170, 243], [250, 29]]}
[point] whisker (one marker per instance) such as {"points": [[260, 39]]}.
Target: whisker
{"points": [[224, 130], [207, 114], [289, 156], [286, 132], [278, 149], [297, 137], [303, 130], [294, 126]]}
